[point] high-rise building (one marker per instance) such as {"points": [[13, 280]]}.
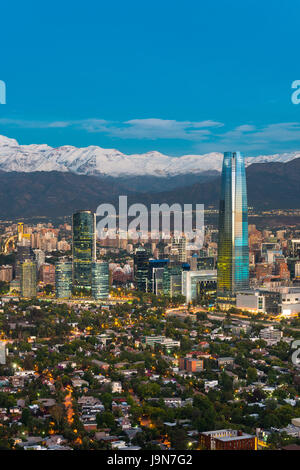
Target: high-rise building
{"points": [[63, 279], [171, 282], [178, 249], [6, 273], [47, 273], [294, 248], [206, 262], [28, 279], [20, 230], [100, 280], [2, 352], [155, 275], [24, 251], [84, 249], [141, 262], [233, 251], [199, 284], [39, 257]]}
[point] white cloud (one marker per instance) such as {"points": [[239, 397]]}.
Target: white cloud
{"points": [[150, 129], [162, 129], [211, 135]]}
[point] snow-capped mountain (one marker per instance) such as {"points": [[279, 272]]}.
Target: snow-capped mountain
{"points": [[97, 161]]}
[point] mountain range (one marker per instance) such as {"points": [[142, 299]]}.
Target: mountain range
{"points": [[96, 161], [38, 180], [54, 193]]}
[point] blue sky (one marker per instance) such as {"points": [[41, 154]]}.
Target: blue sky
{"points": [[173, 76]]}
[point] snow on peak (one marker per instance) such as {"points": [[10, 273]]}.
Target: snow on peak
{"points": [[95, 160]]}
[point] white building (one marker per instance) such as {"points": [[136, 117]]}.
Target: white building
{"points": [[259, 300], [2, 352], [290, 300], [271, 334], [194, 281], [116, 387]]}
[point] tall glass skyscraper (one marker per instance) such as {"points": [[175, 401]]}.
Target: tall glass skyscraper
{"points": [[100, 280], [63, 279], [233, 251], [84, 249], [28, 279], [141, 267]]}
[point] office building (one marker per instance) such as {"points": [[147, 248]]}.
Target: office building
{"points": [[100, 280], [141, 269], [28, 279], [47, 273], [293, 265], [259, 300], [190, 364], [206, 263], [290, 300], [84, 250], [24, 252], [171, 281], [178, 249], [199, 285], [63, 279], [2, 352], [294, 248], [156, 269], [233, 251], [168, 343], [6, 273], [271, 334], [39, 257], [227, 439]]}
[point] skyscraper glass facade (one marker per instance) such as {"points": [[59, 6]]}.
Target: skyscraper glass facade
{"points": [[28, 279], [155, 274], [233, 251], [171, 281], [84, 249], [63, 279], [141, 265], [100, 280]]}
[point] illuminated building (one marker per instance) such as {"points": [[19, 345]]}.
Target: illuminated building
{"points": [[190, 364], [63, 279], [294, 267], [259, 300], [39, 257], [171, 282], [2, 352], [20, 231], [6, 273], [24, 252], [233, 251], [28, 279], [205, 263], [100, 280], [47, 273], [294, 248], [141, 264], [155, 275], [84, 249], [199, 284], [168, 343], [227, 439], [178, 248]]}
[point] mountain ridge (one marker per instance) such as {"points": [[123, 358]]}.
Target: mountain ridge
{"points": [[49, 194], [96, 161]]}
